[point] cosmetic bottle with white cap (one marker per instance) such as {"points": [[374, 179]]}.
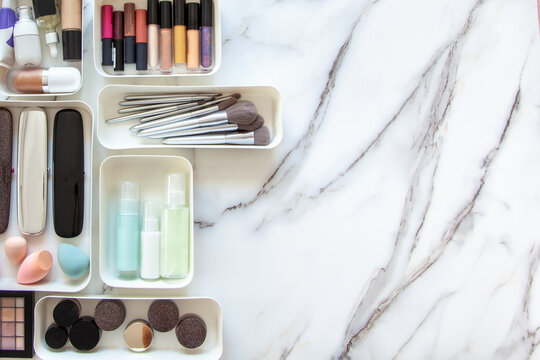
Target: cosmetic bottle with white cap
{"points": [[27, 46], [150, 238], [44, 81]]}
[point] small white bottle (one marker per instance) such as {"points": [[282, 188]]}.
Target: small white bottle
{"points": [[150, 242], [27, 46]]}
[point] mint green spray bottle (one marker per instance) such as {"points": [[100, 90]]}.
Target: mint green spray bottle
{"points": [[127, 230], [174, 254]]}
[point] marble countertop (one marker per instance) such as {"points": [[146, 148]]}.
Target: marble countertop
{"points": [[399, 216]]}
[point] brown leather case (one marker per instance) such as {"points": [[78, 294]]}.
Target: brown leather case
{"points": [[6, 148]]}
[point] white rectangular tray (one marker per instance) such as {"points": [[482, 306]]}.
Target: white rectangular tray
{"points": [[150, 172], [129, 69], [267, 99], [111, 344], [56, 280]]}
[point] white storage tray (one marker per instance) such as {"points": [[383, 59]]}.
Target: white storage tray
{"points": [[111, 344], [150, 172], [129, 69], [267, 99], [56, 280]]}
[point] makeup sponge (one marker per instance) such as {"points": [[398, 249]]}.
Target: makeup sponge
{"points": [[15, 248], [73, 262], [35, 267]]}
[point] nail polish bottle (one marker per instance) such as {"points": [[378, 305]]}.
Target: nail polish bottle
{"points": [[127, 230], [165, 36], [174, 257], [150, 238], [26, 38]]}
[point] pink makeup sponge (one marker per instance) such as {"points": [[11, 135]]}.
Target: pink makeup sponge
{"points": [[15, 248], [35, 267]]}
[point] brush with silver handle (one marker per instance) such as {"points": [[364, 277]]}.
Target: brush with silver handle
{"points": [[130, 97], [133, 109], [160, 110], [260, 137], [243, 112], [168, 100]]}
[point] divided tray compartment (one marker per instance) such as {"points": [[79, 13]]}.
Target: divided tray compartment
{"points": [[267, 99], [56, 280], [129, 69], [46, 59], [111, 345], [150, 172]]}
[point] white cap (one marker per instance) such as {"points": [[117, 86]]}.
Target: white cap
{"points": [[150, 221], [176, 190], [61, 80], [129, 197], [9, 4], [51, 38]]}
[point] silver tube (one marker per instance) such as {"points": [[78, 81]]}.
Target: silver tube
{"points": [[172, 126], [161, 96], [217, 126]]}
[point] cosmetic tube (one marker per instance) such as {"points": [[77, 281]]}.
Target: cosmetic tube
{"points": [[153, 34], [141, 46], [7, 21], [40, 80], [180, 32], [127, 230], [26, 38], [48, 18], [206, 33], [118, 36], [193, 35], [107, 35], [150, 238], [129, 33], [174, 256], [165, 36], [71, 29]]}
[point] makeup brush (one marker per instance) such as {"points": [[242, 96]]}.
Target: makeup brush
{"points": [[217, 128], [167, 100], [158, 96], [243, 112], [133, 109], [260, 137]]}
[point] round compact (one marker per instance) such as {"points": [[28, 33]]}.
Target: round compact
{"points": [[66, 312], [56, 336], [191, 331], [163, 315], [110, 314], [138, 336], [84, 335]]}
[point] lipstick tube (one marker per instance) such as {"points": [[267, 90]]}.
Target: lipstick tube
{"points": [[129, 33], [153, 34], [141, 46], [72, 29], [118, 36], [106, 35], [165, 36], [193, 34], [206, 33], [180, 32]]}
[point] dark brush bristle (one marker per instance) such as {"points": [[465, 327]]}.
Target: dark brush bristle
{"points": [[257, 123], [242, 113], [226, 103], [262, 136], [237, 96]]}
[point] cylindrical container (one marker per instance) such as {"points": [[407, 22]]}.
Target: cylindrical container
{"points": [[163, 315], [141, 38], [191, 331], [66, 312], [84, 335], [127, 230], [180, 32], [118, 36], [165, 36], [110, 314], [48, 18], [193, 35], [153, 34], [174, 257], [107, 35], [150, 238], [56, 336], [40, 80], [71, 29], [206, 33], [138, 336], [7, 21], [129, 33], [26, 38]]}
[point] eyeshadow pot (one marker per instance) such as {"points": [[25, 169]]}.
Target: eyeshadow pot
{"points": [[138, 336], [66, 312], [110, 314], [191, 331], [84, 335], [56, 336], [163, 315]]}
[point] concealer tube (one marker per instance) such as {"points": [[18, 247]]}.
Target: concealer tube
{"points": [[71, 29], [180, 32], [153, 34], [165, 36], [193, 35], [141, 45], [118, 36], [129, 33]]}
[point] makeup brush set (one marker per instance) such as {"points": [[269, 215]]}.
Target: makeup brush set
{"points": [[194, 119]]}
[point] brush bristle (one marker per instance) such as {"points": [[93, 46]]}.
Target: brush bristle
{"points": [[257, 123], [238, 96], [242, 113], [226, 103], [262, 136]]}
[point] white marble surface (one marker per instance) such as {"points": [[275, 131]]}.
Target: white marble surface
{"points": [[399, 216]]}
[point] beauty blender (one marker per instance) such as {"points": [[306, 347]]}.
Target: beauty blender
{"points": [[35, 267], [73, 262], [15, 248]]}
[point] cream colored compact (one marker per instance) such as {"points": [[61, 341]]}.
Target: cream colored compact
{"points": [[138, 336]]}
